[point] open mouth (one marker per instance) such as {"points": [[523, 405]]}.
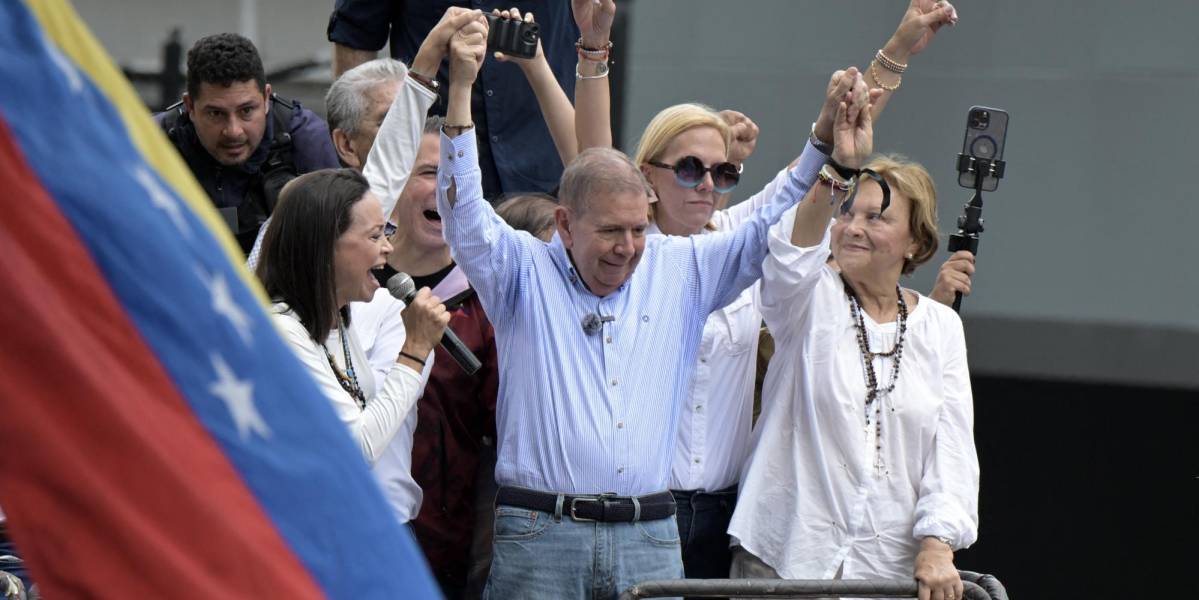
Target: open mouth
{"points": [[432, 215]]}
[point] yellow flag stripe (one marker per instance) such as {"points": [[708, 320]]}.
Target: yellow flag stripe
{"points": [[64, 28]]}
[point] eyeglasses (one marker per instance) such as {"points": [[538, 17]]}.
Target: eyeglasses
{"points": [[689, 172]]}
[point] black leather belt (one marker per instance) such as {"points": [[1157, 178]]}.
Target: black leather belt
{"points": [[607, 508]]}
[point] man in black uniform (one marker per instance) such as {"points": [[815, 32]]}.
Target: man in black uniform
{"points": [[241, 141]]}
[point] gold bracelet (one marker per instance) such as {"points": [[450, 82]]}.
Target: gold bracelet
{"points": [[889, 64], [874, 74]]}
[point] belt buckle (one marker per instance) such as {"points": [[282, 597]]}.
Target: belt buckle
{"points": [[575, 501]]}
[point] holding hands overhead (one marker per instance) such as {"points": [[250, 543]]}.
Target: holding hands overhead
{"points": [[853, 127], [437, 44]]}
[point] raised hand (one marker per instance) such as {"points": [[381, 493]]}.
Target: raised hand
{"points": [[468, 48], [919, 24], [853, 128], [523, 63], [838, 86], [437, 44], [594, 18], [745, 135]]}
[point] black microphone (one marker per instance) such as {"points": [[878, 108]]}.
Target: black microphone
{"points": [[403, 288]]}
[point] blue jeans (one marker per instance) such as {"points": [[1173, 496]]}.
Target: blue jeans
{"points": [[703, 519], [546, 555]]}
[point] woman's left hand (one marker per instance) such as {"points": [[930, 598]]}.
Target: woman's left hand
{"points": [[936, 577]]}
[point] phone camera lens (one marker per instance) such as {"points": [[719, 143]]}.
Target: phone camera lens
{"points": [[983, 147]]}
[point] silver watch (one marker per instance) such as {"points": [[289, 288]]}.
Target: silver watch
{"points": [[823, 146]]}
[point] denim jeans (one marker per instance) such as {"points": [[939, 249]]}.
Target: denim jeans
{"points": [[546, 555], [703, 519]]}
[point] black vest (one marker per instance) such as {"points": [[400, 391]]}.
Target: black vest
{"points": [[245, 215]]}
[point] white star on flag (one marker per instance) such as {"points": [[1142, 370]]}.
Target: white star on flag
{"points": [[68, 70], [223, 304], [238, 396], [161, 199]]}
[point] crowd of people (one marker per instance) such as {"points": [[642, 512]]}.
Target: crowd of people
{"points": [[615, 303]]}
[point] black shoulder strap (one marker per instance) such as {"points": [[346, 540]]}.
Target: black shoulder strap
{"points": [[173, 120], [280, 166]]}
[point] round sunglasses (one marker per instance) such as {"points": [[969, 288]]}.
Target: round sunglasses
{"points": [[689, 172]]}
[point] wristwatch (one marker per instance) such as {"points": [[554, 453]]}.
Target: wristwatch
{"points": [[821, 145]]}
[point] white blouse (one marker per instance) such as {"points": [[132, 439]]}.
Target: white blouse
{"points": [[386, 407], [812, 499], [714, 427]]}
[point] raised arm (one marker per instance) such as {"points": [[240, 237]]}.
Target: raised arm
{"points": [[555, 107], [733, 260], [390, 161], [853, 133], [593, 103], [489, 251]]}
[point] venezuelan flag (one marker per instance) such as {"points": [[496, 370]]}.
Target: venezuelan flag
{"points": [[157, 438]]}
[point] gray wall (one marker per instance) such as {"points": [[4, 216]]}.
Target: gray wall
{"points": [[1086, 269], [1087, 265]]}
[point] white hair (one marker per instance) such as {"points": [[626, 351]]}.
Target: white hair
{"points": [[346, 100]]}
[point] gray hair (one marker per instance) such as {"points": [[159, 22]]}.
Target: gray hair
{"points": [[599, 171], [433, 125], [346, 100]]}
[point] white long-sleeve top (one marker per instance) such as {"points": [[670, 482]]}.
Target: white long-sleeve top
{"points": [[387, 405], [714, 427], [811, 500], [379, 327]]}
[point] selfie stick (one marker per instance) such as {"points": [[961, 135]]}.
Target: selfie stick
{"points": [[970, 224]]}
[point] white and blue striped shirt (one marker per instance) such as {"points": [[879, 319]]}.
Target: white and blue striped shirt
{"points": [[581, 413]]}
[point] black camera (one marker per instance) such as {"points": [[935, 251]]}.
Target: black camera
{"points": [[512, 37]]}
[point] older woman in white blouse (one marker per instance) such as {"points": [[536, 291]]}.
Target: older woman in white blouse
{"points": [[864, 463]]}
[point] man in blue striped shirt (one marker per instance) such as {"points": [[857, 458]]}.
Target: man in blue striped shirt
{"points": [[597, 334]]}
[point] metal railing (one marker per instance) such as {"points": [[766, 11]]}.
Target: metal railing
{"points": [[976, 586]]}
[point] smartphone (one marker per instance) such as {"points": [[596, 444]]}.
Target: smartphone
{"points": [[986, 129], [512, 37]]}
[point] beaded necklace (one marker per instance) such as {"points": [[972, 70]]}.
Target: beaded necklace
{"points": [[873, 392], [347, 378]]}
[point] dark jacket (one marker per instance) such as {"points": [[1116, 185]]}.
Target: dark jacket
{"points": [[296, 141]]}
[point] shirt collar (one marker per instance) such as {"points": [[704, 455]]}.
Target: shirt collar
{"points": [[567, 269]]}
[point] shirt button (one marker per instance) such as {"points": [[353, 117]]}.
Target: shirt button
{"points": [[620, 425], [449, 156], [490, 93], [620, 470], [703, 360], [460, 154], [697, 461], [609, 339], [614, 382], [495, 138], [699, 408]]}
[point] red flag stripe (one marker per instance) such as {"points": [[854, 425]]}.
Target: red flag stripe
{"points": [[73, 358]]}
